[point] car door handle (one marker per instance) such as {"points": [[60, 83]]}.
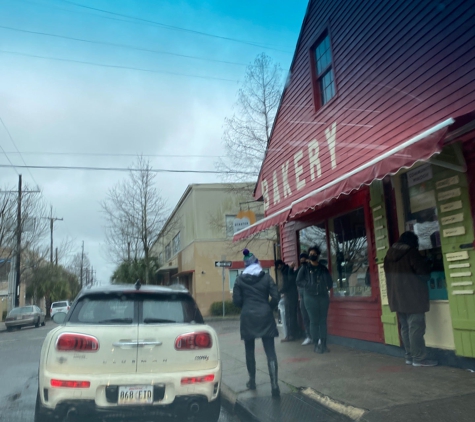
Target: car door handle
{"points": [[140, 343], [125, 344], [143, 343]]}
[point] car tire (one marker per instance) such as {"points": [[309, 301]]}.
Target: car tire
{"points": [[40, 414], [211, 412], [37, 324], [9, 329]]}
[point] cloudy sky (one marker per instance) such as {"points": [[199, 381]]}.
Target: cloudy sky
{"points": [[74, 103]]}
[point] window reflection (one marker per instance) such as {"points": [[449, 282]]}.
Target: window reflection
{"points": [[349, 254]]}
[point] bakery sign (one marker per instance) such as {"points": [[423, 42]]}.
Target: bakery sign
{"points": [[280, 186]]}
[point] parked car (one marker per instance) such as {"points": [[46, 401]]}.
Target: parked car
{"points": [[25, 316], [62, 306], [130, 350]]}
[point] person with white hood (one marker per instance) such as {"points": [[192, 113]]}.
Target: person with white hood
{"points": [[251, 293]]}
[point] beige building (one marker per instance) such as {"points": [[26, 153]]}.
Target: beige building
{"points": [[199, 232]]}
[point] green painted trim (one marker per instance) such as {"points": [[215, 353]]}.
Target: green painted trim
{"points": [[389, 318], [463, 324]]}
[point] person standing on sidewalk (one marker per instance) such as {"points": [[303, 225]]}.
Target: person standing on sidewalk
{"points": [[289, 291], [251, 293], [303, 310], [407, 274], [318, 282]]}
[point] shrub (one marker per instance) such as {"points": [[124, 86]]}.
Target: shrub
{"points": [[229, 308]]}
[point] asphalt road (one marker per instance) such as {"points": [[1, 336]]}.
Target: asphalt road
{"points": [[19, 357]]}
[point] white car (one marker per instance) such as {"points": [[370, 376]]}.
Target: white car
{"points": [[62, 306], [130, 350]]}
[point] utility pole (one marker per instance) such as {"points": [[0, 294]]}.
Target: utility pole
{"points": [[51, 224], [16, 283], [18, 246], [82, 260], [56, 258]]}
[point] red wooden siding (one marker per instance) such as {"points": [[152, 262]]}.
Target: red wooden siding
{"points": [[400, 68]]}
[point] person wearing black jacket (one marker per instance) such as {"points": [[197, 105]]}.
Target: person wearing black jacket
{"points": [[303, 311], [289, 291], [251, 293], [317, 283]]}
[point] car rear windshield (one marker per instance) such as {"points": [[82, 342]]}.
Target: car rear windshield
{"points": [[24, 310], [60, 304], [128, 308]]}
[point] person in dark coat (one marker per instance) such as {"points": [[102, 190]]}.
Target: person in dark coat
{"points": [[407, 274], [289, 292], [303, 310], [317, 282], [251, 293]]}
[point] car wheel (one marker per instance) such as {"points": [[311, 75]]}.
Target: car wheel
{"points": [[210, 413], [9, 329], [37, 324], [40, 414]]}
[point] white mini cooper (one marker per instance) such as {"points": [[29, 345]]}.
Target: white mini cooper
{"points": [[127, 351]]}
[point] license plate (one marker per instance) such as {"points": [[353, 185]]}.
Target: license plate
{"points": [[135, 394], [18, 317]]}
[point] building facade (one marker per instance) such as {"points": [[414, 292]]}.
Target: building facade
{"points": [[375, 136], [200, 232]]}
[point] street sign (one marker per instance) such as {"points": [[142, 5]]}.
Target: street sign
{"points": [[223, 263]]}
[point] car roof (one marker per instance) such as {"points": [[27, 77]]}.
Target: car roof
{"points": [[130, 288]]}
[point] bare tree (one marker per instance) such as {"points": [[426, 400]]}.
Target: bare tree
{"points": [[247, 133], [80, 265], [135, 213]]}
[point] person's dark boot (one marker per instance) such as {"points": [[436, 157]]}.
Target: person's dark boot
{"points": [[274, 381], [251, 369], [324, 347], [318, 347]]}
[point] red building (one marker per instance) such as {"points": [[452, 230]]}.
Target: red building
{"points": [[374, 136]]}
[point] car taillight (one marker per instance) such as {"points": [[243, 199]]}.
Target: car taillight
{"points": [[70, 384], [192, 341], [68, 308], [196, 380], [69, 342]]}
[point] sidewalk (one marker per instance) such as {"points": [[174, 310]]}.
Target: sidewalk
{"points": [[352, 385]]}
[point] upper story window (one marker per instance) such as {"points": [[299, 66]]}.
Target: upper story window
{"points": [[325, 80], [168, 252], [160, 258], [176, 243]]}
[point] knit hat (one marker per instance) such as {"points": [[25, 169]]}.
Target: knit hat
{"points": [[249, 258], [303, 255]]}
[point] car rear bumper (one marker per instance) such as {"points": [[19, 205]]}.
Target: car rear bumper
{"points": [[85, 409], [96, 397]]}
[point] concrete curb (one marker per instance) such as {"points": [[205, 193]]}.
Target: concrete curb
{"points": [[352, 412]]}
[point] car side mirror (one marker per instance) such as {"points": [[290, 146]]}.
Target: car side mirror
{"points": [[59, 317]]}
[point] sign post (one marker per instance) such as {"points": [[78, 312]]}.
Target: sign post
{"points": [[223, 264]]}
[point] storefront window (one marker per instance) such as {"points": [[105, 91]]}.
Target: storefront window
{"points": [[349, 254], [420, 213]]}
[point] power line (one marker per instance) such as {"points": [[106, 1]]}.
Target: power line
{"points": [[10, 161], [115, 66], [172, 27], [126, 169], [109, 154], [21, 156], [130, 47]]}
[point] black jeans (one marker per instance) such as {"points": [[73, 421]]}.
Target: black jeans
{"points": [[291, 304], [269, 347], [413, 328], [303, 310], [317, 308]]}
